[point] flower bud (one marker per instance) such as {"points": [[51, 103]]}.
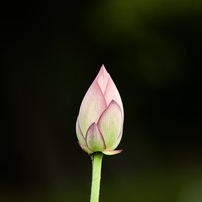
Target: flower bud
{"points": [[99, 124]]}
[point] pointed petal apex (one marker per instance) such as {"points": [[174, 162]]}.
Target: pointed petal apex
{"points": [[111, 152], [102, 79]]}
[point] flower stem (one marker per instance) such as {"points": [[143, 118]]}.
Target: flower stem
{"points": [[96, 176]]}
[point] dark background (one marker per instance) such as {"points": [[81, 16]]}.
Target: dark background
{"points": [[51, 52]]}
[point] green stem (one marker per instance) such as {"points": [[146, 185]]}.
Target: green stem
{"points": [[96, 176]]}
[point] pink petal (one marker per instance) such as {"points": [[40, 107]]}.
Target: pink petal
{"points": [[111, 93], [102, 78], [79, 134], [110, 124], [95, 139], [92, 106], [111, 152]]}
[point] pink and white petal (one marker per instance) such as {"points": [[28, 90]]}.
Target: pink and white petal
{"points": [[102, 78], [86, 149], [110, 124], [79, 134], [111, 93], [111, 152], [94, 139], [92, 106]]}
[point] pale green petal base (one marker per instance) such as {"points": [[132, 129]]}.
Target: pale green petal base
{"points": [[106, 152]]}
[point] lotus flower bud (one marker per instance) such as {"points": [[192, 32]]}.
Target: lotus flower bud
{"points": [[99, 124]]}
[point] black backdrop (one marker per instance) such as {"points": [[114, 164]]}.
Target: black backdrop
{"points": [[51, 53]]}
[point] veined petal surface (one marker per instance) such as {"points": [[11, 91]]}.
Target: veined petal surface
{"points": [[110, 124], [91, 108], [95, 139]]}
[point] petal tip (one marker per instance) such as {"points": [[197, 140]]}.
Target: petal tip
{"points": [[112, 152], [103, 67]]}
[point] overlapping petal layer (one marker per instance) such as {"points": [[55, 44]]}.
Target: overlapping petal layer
{"points": [[100, 121], [102, 79], [94, 139], [92, 107], [79, 134], [110, 124]]}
